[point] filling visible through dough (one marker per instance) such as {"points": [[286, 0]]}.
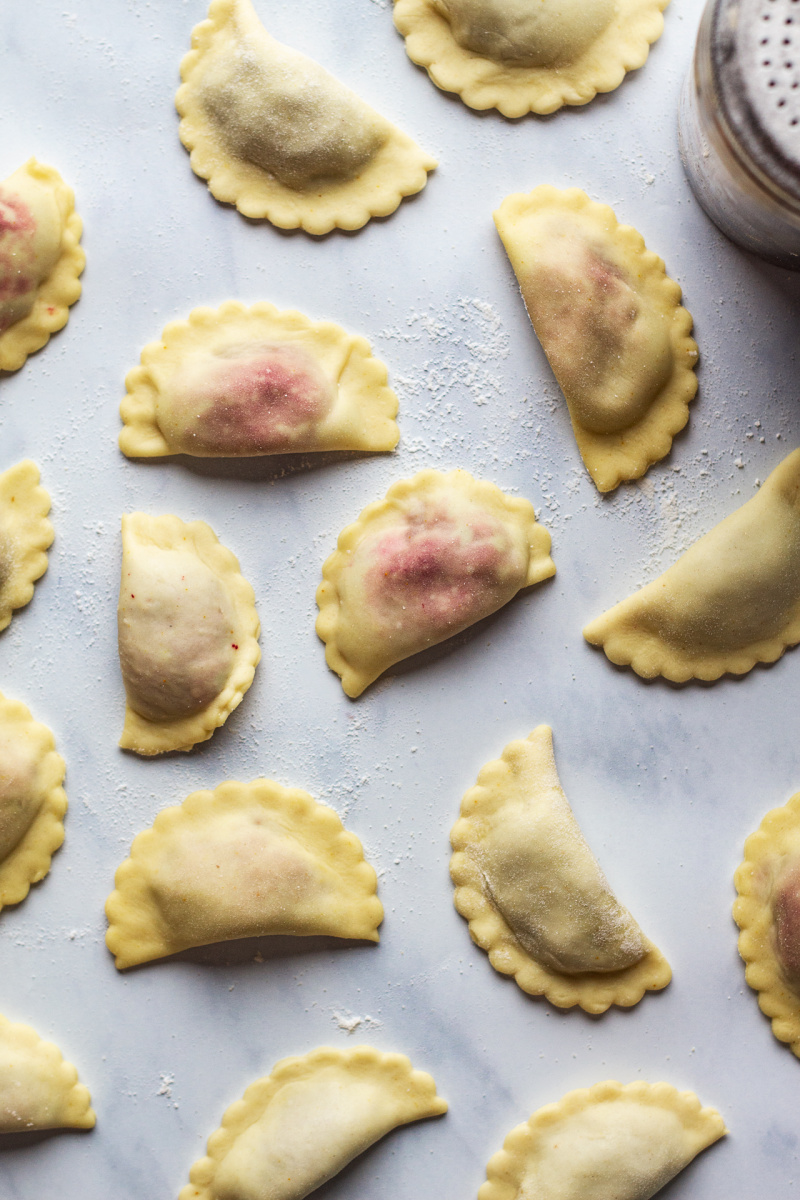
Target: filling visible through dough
{"points": [[20, 797], [527, 33], [786, 922], [30, 243], [255, 397], [175, 628]]}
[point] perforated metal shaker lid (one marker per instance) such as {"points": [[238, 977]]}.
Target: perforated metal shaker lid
{"points": [[755, 49]]}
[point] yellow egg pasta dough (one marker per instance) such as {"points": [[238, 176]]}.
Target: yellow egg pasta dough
{"points": [[273, 133], [38, 1089], [240, 381], [611, 323], [25, 536]]}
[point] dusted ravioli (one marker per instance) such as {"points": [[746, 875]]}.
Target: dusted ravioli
{"points": [[25, 536], [276, 135], [188, 633], [534, 895], [604, 1141], [767, 912], [242, 382], [439, 553], [525, 56], [40, 260], [731, 601], [611, 323], [32, 801], [298, 1127], [38, 1090], [244, 860]]}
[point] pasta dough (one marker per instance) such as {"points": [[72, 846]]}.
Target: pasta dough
{"points": [[32, 801], [38, 1090], [242, 382], [188, 633], [732, 600], [276, 135], [768, 913], [25, 536], [299, 1126], [244, 860], [525, 56], [608, 1140], [534, 895], [40, 260], [611, 324], [437, 554]]}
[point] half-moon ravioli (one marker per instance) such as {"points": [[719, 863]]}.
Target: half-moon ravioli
{"points": [[239, 381], [25, 536], [40, 260], [731, 601], [32, 801], [607, 1140], [533, 892], [611, 323], [439, 553], [276, 135], [767, 912], [299, 1126], [525, 56], [188, 632], [245, 860], [38, 1089]]}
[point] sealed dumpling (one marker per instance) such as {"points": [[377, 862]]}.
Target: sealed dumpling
{"points": [[525, 56], [40, 260], [38, 1089], [298, 1127], [32, 801], [276, 135], [188, 633], [731, 601], [437, 554], [611, 323], [533, 892], [244, 381], [602, 1142], [245, 860], [25, 536], [768, 913]]}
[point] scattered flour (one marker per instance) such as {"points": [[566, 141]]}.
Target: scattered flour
{"points": [[350, 1022]]}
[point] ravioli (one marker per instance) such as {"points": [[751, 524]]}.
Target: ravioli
{"points": [[243, 382], [437, 554], [38, 1089], [523, 56], [607, 1140], [25, 536], [534, 895], [40, 260], [245, 860], [298, 1127], [188, 631], [32, 801], [273, 133], [611, 323], [731, 601], [767, 912]]}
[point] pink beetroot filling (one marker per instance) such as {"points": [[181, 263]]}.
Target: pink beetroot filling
{"points": [[17, 253]]}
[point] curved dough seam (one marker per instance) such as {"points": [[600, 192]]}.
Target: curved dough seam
{"points": [[515, 91], [364, 375], [23, 503], [256, 194], [58, 291], [77, 1113]]}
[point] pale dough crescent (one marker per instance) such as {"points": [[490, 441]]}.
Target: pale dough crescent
{"points": [[25, 536], [245, 860], [522, 56], [611, 323], [240, 381], [534, 895], [38, 1089], [273, 133]]}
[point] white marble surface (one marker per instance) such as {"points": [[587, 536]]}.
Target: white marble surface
{"points": [[666, 781]]}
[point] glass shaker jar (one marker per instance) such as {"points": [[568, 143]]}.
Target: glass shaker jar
{"points": [[739, 124]]}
